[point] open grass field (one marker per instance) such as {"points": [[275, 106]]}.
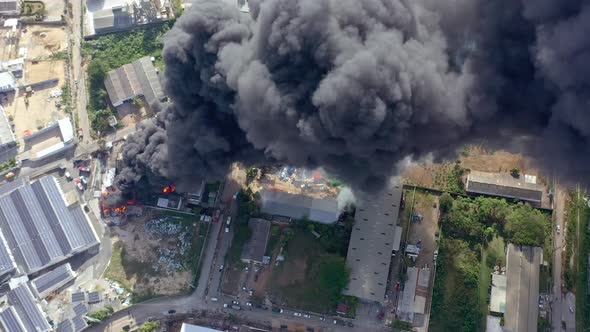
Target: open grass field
{"points": [[295, 283], [491, 256]]}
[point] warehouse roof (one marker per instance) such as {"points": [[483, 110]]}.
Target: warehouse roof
{"points": [[134, 79], [53, 280], [107, 20], [7, 138], [255, 248], [371, 244], [22, 301], [522, 288], [38, 226], [504, 185], [11, 321], [7, 263], [79, 323], [195, 328], [299, 206]]}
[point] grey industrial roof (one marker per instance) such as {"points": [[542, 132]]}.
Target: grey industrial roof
{"points": [[8, 5], [134, 79], [110, 20], [7, 263], [371, 243], [299, 206], [23, 302], [503, 185], [80, 309], [65, 326], [522, 288], [38, 226], [79, 323], [7, 138], [53, 279], [255, 248], [11, 321], [78, 297], [93, 297]]}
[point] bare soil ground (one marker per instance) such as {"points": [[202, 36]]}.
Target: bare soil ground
{"points": [[139, 261], [54, 7], [41, 108], [471, 158], [130, 114], [42, 42]]}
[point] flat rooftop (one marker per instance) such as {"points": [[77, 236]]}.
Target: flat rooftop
{"points": [[298, 206], [371, 244], [504, 185], [498, 296], [522, 288], [255, 248]]}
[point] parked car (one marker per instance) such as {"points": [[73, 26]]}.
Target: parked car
{"points": [[214, 299], [227, 229], [228, 220], [84, 180], [171, 312], [296, 314], [84, 169], [322, 318], [221, 268], [68, 176], [558, 229], [249, 304], [306, 316], [417, 218], [235, 302], [80, 185]]}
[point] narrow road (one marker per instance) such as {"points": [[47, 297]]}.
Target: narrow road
{"points": [[558, 242], [78, 76]]}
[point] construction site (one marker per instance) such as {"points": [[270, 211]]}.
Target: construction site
{"points": [[32, 75]]}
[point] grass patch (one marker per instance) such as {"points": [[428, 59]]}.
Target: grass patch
{"points": [[123, 269], [310, 278], [33, 8], [197, 247], [449, 177]]}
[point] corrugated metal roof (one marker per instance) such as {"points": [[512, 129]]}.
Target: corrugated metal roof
{"points": [[78, 297], [80, 309], [149, 80], [522, 287], [79, 323], [38, 226], [29, 312], [371, 243], [255, 247], [93, 297], [7, 263], [11, 322], [53, 279], [65, 326], [299, 206], [8, 5], [132, 80]]}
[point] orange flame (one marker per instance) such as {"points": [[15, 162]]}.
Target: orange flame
{"points": [[169, 189]]}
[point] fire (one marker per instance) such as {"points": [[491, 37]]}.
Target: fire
{"points": [[169, 189], [120, 209], [132, 201]]}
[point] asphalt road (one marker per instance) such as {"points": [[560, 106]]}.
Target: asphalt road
{"points": [[559, 211]]}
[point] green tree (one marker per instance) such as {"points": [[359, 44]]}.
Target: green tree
{"points": [[149, 326], [526, 226], [333, 277], [491, 210], [515, 172], [445, 202]]}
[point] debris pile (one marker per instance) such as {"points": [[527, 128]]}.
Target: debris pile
{"points": [[170, 259]]}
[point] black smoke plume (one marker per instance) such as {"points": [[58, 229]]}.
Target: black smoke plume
{"points": [[356, 86]]}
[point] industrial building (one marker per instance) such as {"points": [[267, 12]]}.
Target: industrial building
{"points": [[416, 289], [504, 185], [39, 228], [56, 138], [9, 7], [111, 20], [196, 328], [7, 138], [23, 313], [132, 80], [294, 206], [255, 248], [522, 288], [53, 280], [372, 241]]}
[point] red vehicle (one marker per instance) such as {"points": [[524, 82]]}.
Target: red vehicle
{"points": [[84, 169]]}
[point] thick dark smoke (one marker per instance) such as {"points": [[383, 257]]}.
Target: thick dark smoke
{"points": [[356, 86]]}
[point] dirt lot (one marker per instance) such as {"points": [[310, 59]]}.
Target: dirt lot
{"points": [[473, 157], [426, 205], [41, 42], [54, 7], [42, 108], [130, 114], [149, 260]]}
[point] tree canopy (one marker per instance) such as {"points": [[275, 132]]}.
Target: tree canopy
{"points": [[526, 226]]}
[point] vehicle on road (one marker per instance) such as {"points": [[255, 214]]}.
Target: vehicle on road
{"points": [[235, 302], [417, 218], [437, 236], [306, 316], [79, 185], [250, 292], [571, 310], [171, 312], [84, 180], [68, 176], [225, 305], [322, 318], [558, 229], [85, 169], [228, 222], [435, 253], [221, 268], [277, 310], [249, 304], [214, 299], [227, 229], [296, 314], [236, 307]]}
